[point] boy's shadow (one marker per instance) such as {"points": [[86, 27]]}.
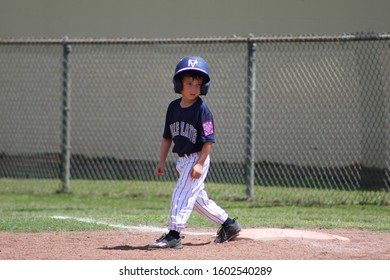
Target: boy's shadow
{"points": [[145, 248]]}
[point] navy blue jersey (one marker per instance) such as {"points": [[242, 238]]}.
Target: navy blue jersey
{"points": [[189, 127]]}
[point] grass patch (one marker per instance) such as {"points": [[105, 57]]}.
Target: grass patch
{"points": [[27, 205]]}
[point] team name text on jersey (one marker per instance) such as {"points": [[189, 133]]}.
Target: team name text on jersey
{"points": [[184, 129]]}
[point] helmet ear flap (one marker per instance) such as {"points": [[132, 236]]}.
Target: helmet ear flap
{"points": [[177, 85], [205, 88]]}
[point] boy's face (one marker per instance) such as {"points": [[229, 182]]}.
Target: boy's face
{"points": [[191, 88]]}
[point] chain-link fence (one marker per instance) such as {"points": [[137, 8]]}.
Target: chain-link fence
{"points": [[291, 113]]}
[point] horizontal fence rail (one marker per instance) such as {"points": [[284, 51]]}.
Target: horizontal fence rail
{"points": [[291, 113]]}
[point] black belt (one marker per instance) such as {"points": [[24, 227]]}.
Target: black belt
{"points": [[183, 155]]}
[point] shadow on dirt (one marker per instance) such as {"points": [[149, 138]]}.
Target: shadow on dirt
{"points": [[145, 248]]}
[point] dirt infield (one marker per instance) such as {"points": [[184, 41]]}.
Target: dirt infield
{"points": [[355, 244]]}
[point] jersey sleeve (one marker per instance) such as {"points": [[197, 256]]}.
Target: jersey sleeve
{"points": [[167, 134], [207, 128]]}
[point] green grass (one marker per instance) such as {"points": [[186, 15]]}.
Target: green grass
{"points": [[28, 205]]}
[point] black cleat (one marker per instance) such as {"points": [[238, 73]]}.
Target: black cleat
{"points": [[228, 232], [166, 241]]}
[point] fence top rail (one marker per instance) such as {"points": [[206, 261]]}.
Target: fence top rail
{"points": [[233, 39]]}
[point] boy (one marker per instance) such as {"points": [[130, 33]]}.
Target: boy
{"points": [[189, 125]]}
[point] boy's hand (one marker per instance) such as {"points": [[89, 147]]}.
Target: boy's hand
{"points": [[196, 171], [159, 170]]}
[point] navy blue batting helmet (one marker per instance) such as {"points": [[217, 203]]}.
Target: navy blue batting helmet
{"points": [[191, 63]]}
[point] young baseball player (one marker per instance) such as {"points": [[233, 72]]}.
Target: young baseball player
{"points": [[189, 125]]}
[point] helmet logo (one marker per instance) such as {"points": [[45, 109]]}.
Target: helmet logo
{"points": [[192, 62]]}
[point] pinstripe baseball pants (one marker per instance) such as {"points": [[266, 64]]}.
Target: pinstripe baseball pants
{"points": [[189, 193]]}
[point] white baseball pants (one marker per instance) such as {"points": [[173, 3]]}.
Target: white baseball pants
{"points": [[189, 193]]}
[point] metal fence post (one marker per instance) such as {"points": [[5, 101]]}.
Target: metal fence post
{"points": [[373, 112], [65, 143], [250, 140]]}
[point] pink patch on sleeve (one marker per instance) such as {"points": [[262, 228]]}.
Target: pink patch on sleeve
{"points": [[208, 128]]}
